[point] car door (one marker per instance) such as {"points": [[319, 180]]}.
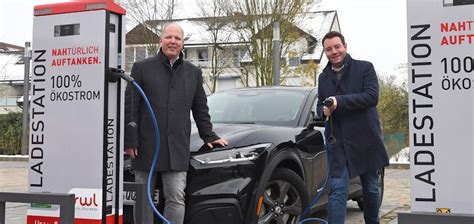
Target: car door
{"points": [[319, 162]]}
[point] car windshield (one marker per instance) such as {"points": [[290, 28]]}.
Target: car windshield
{"points": [[256, 106]]}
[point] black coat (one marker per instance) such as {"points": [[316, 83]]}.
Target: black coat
{"points": [[356, 124], [173, 92]]}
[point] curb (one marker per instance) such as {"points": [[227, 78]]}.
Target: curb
{"points": [[15, 158], [399, 166]]}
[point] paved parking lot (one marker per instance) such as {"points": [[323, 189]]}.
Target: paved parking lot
{"points": [[14, 178], [396, 199]]}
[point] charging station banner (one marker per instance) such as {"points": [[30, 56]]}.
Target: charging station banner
{"points": [[70, 137], [441, 104]]}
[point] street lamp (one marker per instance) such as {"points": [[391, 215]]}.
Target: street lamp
{"points": [[276, 53]]}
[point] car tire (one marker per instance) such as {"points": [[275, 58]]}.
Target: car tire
{"points": [[381, 176], [287, 207]]}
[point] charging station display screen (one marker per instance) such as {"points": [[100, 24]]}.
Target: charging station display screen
{"points": [[67, 30]]}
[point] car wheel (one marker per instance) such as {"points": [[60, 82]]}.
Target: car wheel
{"points": [[381, 174], [284, 198]]}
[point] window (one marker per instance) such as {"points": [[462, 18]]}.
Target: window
{"points": [[293, 61], [237, 56], [129, 58], [134, 54], [140, 53], [185, 53], [311, 45], [202, 55], [8, 101]]}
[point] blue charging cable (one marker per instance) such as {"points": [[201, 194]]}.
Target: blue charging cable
{"points": [[129, 79], [320, 193], [157, 150]]}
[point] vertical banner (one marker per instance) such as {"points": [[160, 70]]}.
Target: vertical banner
{"points": [[441, 104]]}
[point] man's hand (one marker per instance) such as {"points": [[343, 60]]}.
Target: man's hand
{"points": [[132, 152], [328, 110], [223, 142]]}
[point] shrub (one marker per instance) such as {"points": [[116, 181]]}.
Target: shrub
{"points": [[10, 133]]}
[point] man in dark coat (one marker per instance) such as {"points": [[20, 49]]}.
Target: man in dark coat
{"points": [[353, 87], [174, 88]]}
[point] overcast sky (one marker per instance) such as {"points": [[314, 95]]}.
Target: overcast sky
{"points": [[375, 30]]}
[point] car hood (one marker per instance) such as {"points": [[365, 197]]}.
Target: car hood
{"points": [[239, 135]]}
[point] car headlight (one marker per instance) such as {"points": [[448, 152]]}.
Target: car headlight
{"points": [[234, 155]]}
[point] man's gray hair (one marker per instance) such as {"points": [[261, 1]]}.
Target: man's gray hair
{"points": [[173, 23]]}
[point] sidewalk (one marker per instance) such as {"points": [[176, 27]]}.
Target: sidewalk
{"points": [[14, 178], [397, 195], [396, 199]]}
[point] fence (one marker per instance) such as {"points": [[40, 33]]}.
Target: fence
{"points": [[394, 143]]}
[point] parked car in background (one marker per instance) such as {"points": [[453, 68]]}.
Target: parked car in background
{"points": [[274, 164]]}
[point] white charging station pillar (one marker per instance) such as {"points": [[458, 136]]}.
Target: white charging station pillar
{"points": [[76, 114], [441, 104]]}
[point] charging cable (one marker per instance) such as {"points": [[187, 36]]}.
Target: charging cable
{"points": [[129, 79]]}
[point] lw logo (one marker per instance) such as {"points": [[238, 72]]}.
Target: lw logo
{"points": [[443, 210]]}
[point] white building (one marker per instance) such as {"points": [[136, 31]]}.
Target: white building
{"points": [[11, 77], [233, 59]]}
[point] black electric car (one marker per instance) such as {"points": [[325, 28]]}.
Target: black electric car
{"points": [[274, 164]]}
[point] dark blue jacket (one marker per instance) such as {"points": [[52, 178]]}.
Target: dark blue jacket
{"points": [[355, 124]]}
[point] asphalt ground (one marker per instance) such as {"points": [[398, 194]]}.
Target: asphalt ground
{"points": [[14, 178]]}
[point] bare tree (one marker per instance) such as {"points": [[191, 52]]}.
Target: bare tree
{"points": [[143, 14], [6, 62], [217, 32], [253, 20]]}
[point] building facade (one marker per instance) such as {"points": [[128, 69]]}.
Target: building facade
{"points": [[11, 77], [223, 55]]}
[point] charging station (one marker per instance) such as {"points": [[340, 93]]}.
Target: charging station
{"points": [[441, 104], [76, 113]]}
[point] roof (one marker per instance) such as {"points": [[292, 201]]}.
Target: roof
{"points": [[326, 20], [140, 34], [196, 31], [5, 47]]}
